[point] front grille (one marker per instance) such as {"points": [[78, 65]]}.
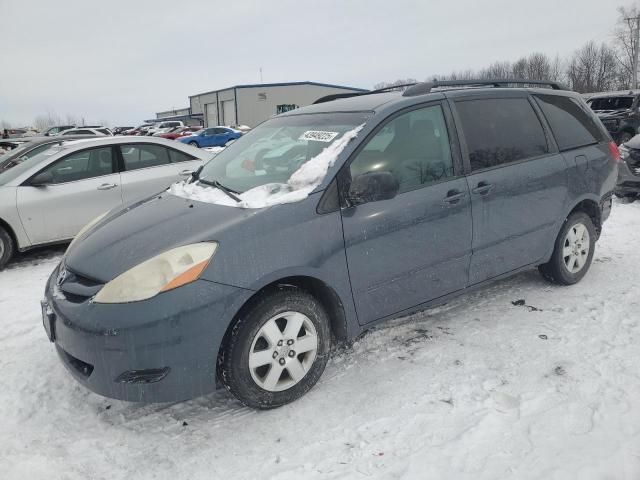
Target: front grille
{"points": [[76, 288]]}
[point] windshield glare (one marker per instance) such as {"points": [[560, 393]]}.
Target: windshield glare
{"points": [[273, 151], [611, 103]]}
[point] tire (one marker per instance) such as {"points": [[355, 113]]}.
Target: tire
{"points": [[274, 378], [570, 260], [624, 137], [194, 144], [6, 247]]}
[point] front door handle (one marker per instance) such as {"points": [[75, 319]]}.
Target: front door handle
{"points": [[107, 186], [453, 196], [483, 188], [185, 173]]}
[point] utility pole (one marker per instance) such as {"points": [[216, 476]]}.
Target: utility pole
{"points": [[635, 42]]}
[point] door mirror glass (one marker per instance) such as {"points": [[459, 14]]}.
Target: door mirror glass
{"points": [[42, 179], [372, 187]]}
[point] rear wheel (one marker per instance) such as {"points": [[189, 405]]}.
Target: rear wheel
{"points": [[573, 251], [277, 350], [6, 247]]}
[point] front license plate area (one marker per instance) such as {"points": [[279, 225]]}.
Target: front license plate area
{"points": [[48, 321]]}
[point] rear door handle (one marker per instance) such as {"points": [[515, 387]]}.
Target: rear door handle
{"points": [[453, 196], [107, 186], [185, 173], [483, 188]]}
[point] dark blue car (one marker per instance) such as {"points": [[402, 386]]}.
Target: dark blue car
{"points": [[321, 223], [211, 137]]}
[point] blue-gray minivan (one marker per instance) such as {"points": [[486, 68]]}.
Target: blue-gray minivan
{"points": [[322, 222]]}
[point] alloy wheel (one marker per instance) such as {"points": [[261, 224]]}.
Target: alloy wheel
{"points": [[575, 250], [283, 351]]}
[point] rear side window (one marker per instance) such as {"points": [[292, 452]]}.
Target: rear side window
{"points": [[572, 126], [500, 131], [143, 156]]}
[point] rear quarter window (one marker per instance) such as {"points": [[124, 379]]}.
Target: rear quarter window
{"points": [[572, 125]]}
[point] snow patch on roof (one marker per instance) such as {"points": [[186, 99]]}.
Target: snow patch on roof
{"points": [[302, 182]]}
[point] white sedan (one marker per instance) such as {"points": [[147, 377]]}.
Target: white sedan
{"points": [[49, 197]]}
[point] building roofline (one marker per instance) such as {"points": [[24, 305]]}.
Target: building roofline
{"points": [[173, 110], [284, 84]]}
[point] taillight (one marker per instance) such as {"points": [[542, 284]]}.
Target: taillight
{"points": [[615, 152]]}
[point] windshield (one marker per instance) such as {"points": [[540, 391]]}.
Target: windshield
{"points": [[14, 172], [611, 103], [273, 151]]}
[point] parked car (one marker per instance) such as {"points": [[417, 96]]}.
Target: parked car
{"points": [[619, 112], [121, 130], [164, 127], [139, 130], [383, 204], [181, 132], [57, 129], [629, 175], [25, 148], [48, 197], [96, 131], [14, 132], [211, 137]]}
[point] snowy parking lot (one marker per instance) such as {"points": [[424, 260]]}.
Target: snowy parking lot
{"points": [[521, 380]]}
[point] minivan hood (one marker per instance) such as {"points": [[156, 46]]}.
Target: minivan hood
{"points": [[147, 228]]}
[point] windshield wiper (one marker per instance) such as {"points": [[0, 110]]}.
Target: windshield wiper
{"points": [[214, 183]]}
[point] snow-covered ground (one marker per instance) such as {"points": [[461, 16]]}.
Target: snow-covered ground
{"points": [[478, 389]]}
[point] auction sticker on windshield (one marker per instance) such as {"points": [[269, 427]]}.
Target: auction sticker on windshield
{"points": [[318, 136]]}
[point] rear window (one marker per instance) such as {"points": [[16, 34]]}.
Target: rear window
{"points": [[611, 103], [572, 125], [500, 131]]}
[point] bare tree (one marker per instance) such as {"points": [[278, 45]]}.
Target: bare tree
{"points": [[626, 44], [593, 68]]}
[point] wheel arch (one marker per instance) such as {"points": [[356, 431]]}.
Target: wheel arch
{"points": [[321, 291], [4, 224], [587, 204], [592, 209]]}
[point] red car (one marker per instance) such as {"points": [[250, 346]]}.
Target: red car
{"points": [[181, 132]]}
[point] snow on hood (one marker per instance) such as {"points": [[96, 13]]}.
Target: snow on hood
{"points": [[303, 181]]}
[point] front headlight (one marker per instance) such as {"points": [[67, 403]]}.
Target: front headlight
{"points": [[163, 272], [86, 228]]}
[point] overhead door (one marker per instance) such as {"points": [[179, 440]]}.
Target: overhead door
{"points": [[211, 113], [228, 112]]}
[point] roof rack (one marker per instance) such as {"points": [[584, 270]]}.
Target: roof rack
{"points": [[336, 96], [426, 87]]}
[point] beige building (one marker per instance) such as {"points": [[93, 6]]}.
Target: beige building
{"points": [[253, 104]]}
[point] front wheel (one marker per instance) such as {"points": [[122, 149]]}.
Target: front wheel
{"points": [[573, 251], [277, 349], [6, 247], [194, 144]]}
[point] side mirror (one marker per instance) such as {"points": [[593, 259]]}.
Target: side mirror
{"points": [[42, 179], [373, 187]]}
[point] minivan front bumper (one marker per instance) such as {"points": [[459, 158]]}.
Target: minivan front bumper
{"points": [[157, 350]]}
